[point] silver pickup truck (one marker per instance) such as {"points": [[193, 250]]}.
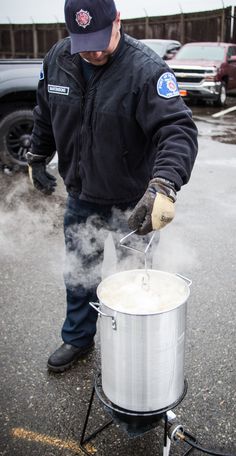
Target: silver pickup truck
{"points": [[18, 84]]}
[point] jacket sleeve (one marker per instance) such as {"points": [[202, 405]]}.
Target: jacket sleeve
{"points": [[169, 124], [42, 139]]}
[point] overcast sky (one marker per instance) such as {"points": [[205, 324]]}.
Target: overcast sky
{"points": [[27, 11]]}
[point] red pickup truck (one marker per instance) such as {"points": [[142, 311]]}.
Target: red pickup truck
{"points": [[206, 71]]}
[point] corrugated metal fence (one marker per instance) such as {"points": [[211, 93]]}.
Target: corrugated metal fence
{"points": [[34, 40]]}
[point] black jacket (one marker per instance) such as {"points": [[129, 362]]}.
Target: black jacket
{"points": [[118, 133]]}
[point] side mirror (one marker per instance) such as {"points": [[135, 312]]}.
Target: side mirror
{"points": [[232, 59], [168, 56], [171, 50]]}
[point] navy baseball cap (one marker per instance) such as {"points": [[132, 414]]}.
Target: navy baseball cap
{"points": [[89, 23]]}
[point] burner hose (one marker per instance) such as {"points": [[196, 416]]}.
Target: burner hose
{"points": [[190, 440]]}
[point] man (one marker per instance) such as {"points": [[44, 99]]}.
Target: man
{"points": [[124, 137]]}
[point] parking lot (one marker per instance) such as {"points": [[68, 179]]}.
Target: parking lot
{"points": [[42, 414]]}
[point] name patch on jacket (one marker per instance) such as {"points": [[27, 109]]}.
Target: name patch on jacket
{"points": [[167, 86], [60, 90]]}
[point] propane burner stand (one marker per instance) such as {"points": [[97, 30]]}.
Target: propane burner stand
{"points": [[134, 423]]}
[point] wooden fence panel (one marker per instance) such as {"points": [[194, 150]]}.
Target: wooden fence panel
{"points": [[34, 40]]}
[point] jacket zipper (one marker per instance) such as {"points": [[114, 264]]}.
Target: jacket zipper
{"points": [[83, 98], [84, 92]]}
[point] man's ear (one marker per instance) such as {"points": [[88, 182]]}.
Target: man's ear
{"points": [[117, 19]]}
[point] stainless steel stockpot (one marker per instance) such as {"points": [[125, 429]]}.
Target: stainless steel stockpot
{"points": [[143, 325]]}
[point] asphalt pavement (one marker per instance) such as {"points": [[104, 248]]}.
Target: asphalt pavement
{"points": [[42, 414]]}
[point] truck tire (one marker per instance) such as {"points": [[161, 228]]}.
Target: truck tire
{"points": [[221, 100], [15, 132]]}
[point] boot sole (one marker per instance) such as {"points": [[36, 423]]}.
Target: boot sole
{"points": [[65, 367]]}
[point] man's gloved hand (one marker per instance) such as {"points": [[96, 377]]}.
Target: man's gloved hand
{"points": [[39, 177], [156, 207]]}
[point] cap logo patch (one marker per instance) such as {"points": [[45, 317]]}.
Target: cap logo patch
{"points": [[167, 86], [83, 18]]}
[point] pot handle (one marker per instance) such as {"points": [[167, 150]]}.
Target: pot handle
{"points": [[189, 282], [95, 306]]}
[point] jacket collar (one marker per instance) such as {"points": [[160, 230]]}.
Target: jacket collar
{"points": [[71, 62]]}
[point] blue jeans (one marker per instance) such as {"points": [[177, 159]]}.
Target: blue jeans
{"points": [[84, 224]]}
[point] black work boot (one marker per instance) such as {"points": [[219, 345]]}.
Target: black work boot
{"points": [[66, 355]]}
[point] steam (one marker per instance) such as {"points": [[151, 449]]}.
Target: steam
{"points": [[27, 221], [173, 253], [109, 264], [95, 251], [30, 220]]}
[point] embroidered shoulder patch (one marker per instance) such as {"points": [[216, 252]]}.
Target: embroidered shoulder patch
{"points": [[167, 86]]}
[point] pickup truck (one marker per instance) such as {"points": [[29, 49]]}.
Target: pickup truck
{"points": [[206, 71], [18, 84]]}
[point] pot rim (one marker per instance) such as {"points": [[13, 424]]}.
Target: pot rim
{"points": [[143, 314], [176, 306]]}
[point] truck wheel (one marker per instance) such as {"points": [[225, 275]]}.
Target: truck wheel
{"points": [[15, 132], [221, 100]]}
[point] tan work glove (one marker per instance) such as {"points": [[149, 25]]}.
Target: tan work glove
{"points": [[155, 209]]}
